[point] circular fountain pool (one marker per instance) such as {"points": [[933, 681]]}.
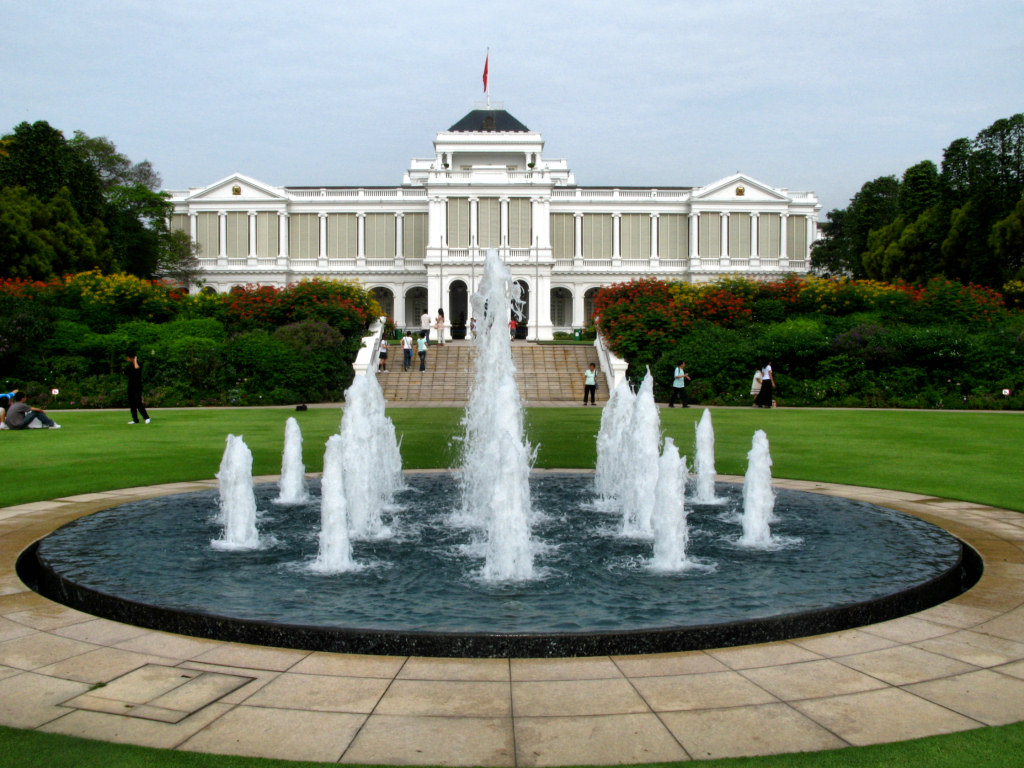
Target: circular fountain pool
{"points": [[841, 563]]}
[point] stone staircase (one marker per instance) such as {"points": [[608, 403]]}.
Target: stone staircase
{"points": [[544, 373]]}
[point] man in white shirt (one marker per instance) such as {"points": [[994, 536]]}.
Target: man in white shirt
{"points": [[407, 350], [425, 322]]}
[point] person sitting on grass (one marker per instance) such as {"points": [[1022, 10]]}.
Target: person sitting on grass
{"points": [[21, 415]]}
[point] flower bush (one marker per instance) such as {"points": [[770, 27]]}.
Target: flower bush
{"points": [[72, 334], [831, 341]]}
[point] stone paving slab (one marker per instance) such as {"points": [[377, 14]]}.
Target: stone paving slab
{"points": [[952, 667]]}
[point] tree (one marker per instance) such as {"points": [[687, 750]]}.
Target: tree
{"points": [[179, 259], [38, 158], [919, 189], [1007, 241]]}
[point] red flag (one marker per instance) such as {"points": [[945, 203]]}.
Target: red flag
{"points": [[487, 61]]}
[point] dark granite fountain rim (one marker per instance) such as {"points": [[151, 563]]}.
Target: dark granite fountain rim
{"points": [[33, 570]]}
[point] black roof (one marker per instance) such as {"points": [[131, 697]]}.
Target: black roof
{"points": [[480, 120]]}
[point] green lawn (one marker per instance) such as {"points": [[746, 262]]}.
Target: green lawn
{"points": [[976, 456]]}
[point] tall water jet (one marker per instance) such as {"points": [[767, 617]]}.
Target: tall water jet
{"points": [[293, 488], [496, 460], [616, 415], [758, 496], [669, 520], [335, 555], [704, 462], [237, 499], [370, 457], [640, 468]]}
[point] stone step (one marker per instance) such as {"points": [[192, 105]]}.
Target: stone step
{"points": [[544, 373]]}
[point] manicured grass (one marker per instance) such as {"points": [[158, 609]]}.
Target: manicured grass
{"points": [[975, 456]]}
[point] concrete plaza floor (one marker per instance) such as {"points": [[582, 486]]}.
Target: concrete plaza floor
{"points": [[956, 666]]}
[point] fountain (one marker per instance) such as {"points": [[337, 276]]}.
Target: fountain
{"points": [[758, 496], [704, 463], [335, 554], [293, 471], [642, 448], [669, 521], [610, 472], [556, 579], [237, 502], [370, 459], [496, 460]]}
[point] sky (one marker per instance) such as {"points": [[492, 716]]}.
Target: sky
{"points": [[819, 96]]}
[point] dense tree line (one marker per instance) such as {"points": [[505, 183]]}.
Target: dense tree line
{"points": [[71, 205], [963, 221]]}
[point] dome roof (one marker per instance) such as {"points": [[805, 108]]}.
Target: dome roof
{"points": [[486, 120]]}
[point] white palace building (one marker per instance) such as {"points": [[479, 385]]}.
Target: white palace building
{"points": [[421, 245]]}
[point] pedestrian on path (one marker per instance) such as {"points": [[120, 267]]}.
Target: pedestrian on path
{"points": [[439, 325], [590, 384], [679, 379], [425, 323], [407, 350], [421, 346]]}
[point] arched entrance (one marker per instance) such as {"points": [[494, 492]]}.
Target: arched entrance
{"points": [[523, 318], [415, 305], [588, 306], [458, 307], [386, 299], [561, 308]]}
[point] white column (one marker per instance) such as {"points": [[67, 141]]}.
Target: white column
{"points": [[252, 235], [540, 212], [724, 234], [322, 252], [282, 238], [400, 245], [578, 239], [810, 240], [577, 306], [755, 255], [654, 240], [193, 226], [222, 248], [784, 240], [436, 222], [616, 229], [361, 239]]}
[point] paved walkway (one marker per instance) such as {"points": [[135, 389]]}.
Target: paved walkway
{"points": [[957, 666]]}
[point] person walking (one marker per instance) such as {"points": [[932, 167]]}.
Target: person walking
{"points": [[425, 323], [133, 370], [766, 397], [421, 346], [407, 350], [590, 384], [382, 357], [679, 379]]}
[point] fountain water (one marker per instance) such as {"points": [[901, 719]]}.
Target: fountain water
{"points": [[293, 471], [704, 463], [335, 554], [669, 520], [237, 500], [496, 460], [640, 467], [609, 473], [371, 461], [758, 496]]}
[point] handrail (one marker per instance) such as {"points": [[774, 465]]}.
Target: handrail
{"points": [[366, 358]]}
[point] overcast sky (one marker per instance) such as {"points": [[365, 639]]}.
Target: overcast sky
{"points": [[818, 96]]}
